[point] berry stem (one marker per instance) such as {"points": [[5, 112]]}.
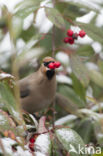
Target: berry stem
{"points": [[53, 35], [53, 41]]}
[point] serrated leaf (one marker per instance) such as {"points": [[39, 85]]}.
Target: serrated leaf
{"points": [[96, 33], [55, 17], [96, 77], [70, 141], [79, 69]]}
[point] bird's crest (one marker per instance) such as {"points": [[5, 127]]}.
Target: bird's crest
{"points": [[48, 59]]}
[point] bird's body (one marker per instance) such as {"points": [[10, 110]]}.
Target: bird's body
{"points": [[38, 89]]}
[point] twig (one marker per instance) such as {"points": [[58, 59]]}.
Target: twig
{"points": [[53, 55], [53, 41]]}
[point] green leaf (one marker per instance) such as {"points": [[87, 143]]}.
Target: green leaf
{"points": [[79, 88], [55, 17], [97, 90], [96, 77], [26, 35], [46, 43], [85, 127], [96, 33], [70, 141], [29, 48], [100, 65], [79, 69], [6, 76], [40, 148], [71, 10], [26, 7], [67, 120], [85, 51], [6, 123], [98, 130], [6, 96], [16, 26], [79, 5]]}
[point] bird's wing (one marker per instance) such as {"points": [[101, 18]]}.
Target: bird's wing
{"points": [[24, 93], [24, 88]]}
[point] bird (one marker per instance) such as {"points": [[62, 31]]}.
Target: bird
{"points": [[38, 90]]}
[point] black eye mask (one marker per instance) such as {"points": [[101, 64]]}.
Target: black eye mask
{"points": [[47, 63]]}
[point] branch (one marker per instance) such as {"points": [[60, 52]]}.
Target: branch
{"points": [[53, 35]]}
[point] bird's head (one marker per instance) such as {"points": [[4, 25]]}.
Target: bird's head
{"points": [[49, 65]]}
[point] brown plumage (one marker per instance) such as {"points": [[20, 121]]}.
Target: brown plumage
{"points": [[38, 89]]}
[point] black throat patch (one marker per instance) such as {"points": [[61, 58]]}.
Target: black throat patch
{"points": [[50, 74]]}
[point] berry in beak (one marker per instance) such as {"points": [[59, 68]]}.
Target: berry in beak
{"points": [[54, 65], [57, 64], [51, 65]]}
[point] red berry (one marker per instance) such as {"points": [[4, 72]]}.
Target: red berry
{"points": [[31, 146], [57, 64], [82, 33], [32, 140], [70, 32], [51, 65], [71, 40], [66, 39]]}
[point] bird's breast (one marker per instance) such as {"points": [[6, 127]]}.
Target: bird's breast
{"points": [[41, 96]]}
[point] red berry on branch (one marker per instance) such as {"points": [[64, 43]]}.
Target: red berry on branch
{"points": [[57, 64], [31, 147], [70, 40], [70, 32], [66, 39], [82, 33], [32, 140], [51, 65]]}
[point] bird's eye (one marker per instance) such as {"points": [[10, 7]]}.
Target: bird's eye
{"points": [[47, 63]]}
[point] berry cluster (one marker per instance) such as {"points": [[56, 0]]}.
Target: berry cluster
{"points": [[32, 141], [54, 65], [71, 36]]}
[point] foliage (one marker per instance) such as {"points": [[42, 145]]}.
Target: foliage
{"points": [[80, 114]]}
